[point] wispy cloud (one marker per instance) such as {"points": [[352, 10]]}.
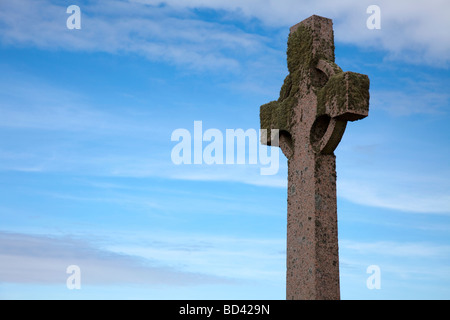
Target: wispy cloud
{"points": [[124, 27], [29, 103], [411, 102], [69, 124], [403, 195], [398, 249], [421, 264], [43, 259], [415, 32], [247, 174], [234, 257]]}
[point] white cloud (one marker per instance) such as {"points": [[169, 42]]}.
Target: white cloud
{"points": [[43, 259], [410, 102], [423, 263], [403, 195], [120, 27], [412, 31], [175, 35], [248, 174]]}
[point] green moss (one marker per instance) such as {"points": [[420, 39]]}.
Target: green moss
{"points": [[334, 89], [299, 51], [286, 88], [301, 64], [346, 90], [335, 67], [359, 86], [279, 114]]}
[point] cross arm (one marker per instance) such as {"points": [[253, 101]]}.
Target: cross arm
{"points": [[275, 115], [345, 97]]}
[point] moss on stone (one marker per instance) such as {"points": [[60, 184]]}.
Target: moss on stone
{"points": [[359, 85], [301, 62], [335, 67], [335, 89], [286, 88], [299, 51], [348, 91], [279, 114]]}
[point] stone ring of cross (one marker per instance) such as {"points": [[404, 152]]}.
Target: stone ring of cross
{"points": [[342, 99]]}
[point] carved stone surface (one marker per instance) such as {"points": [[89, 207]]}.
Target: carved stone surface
{"points": [[316, 101]]}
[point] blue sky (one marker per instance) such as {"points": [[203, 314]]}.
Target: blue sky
{"points": [[85, 145]]}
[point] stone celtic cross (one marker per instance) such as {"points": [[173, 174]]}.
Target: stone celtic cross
{"points": [[316, 101]]}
